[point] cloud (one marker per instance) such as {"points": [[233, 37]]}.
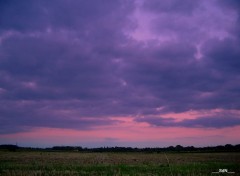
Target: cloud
{"points": [[199, 122], [223, 55], [172, 6], [30, 114], [29, 16], [76, 64]]}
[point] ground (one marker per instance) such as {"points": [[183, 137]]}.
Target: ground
{"points": [[40, 163]]}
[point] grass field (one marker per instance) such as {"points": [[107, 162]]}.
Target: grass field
{"points": [[76, 163]]}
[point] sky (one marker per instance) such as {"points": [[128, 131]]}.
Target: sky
{"points": [[138, 73]]}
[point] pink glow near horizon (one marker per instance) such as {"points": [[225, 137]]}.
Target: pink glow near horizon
{"points": [[127, 133]]}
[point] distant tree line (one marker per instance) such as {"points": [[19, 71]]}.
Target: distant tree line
{"points": [[9, 147], [177, 148]]}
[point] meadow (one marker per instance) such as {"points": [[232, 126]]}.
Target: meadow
{"points": [[42, 163]]}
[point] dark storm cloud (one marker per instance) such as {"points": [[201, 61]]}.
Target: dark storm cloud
{"points": [[172, 71], [223, 55], [57, 57], [231, 3], [172, 6], [180, 83], [24, 115], [37, 15], [200, 122], [75, 64]]}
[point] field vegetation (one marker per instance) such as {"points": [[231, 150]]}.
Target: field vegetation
{"points": [[44, 163]]}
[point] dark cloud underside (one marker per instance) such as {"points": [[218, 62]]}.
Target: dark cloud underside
{"points": [[200, 122]]}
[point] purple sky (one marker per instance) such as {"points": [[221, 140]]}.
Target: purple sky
{"points": [[119, 68]]}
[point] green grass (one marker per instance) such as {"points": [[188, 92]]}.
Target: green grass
{"points": [[75, 163]]}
